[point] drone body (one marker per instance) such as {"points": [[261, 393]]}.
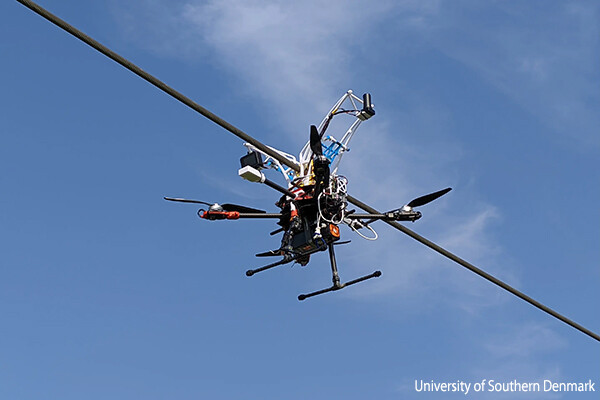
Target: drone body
{"points": [[314, 203]]}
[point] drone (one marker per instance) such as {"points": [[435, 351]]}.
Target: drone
{"points": [[315, 202]]}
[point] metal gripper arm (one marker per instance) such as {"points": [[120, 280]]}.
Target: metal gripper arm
{"points": [[336, 278]]}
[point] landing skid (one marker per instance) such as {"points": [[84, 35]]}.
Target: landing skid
{"points": [[337, 285]]}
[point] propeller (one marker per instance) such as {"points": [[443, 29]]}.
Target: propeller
{"points": [[219, 207], [428, 198], [315, 141], [187, 201], [408, 209]]}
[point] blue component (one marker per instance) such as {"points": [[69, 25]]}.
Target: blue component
{"points": [[319, 241], [332, 150], [271, 164]]}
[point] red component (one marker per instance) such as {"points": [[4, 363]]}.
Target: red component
{"points": [[233, 215], [213, 215]]}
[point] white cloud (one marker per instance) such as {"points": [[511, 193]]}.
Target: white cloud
{"points": [[520, 352], [293, 55], [524, 341], [546, 59]]}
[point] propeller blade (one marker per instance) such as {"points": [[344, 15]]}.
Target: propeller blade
{"points": [[270, 253], [428, 198], [315, 141], [225, 207], [187, 201], [242, 209]]}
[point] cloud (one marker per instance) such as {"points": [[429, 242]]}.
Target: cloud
{"points": [[521, 352], [301, 54], [290, 54], [543, 58], [157, 27], [524, 341]]}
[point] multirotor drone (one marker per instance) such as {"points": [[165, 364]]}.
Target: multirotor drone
{"points": [[314, 203]]}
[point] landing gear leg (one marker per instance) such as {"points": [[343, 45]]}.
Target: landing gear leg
{"points": [[334, 270]]}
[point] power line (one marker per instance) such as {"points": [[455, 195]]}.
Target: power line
{"points": [[244, 136]]}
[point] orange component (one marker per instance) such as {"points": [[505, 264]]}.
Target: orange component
{"points": [[233, 215], [335, 231]]}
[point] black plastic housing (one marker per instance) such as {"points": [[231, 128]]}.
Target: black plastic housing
{"points": [[367, 110], [253, 159]]}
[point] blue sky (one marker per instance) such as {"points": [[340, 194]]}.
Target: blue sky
{"points": [[108, 291]]}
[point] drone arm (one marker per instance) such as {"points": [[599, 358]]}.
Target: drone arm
{"points": [[219, 215], [259, 215], [389, 216]]}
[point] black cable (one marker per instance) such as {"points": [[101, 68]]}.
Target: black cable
{"points": [[239, 133], [154, 81], [474, 269], [342, 111]]}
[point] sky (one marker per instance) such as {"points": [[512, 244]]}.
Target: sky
{"points": [[108, 291]]}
